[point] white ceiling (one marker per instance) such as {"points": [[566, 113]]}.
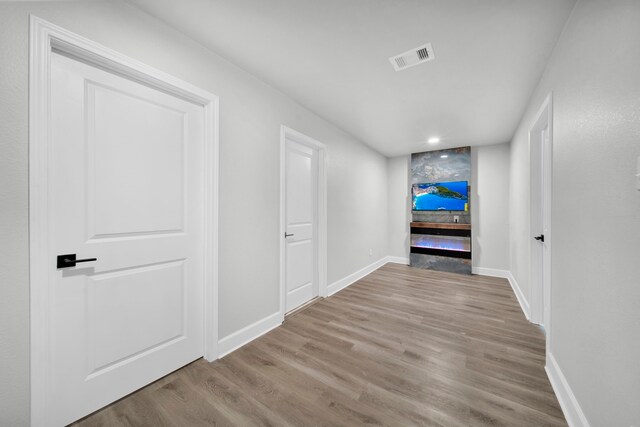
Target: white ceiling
{"points": [[332, 57]]}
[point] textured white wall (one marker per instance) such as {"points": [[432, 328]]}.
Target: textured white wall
{"points": [[251, 113], [595, 299], [399, 206], [490, 206], [14, 240]]}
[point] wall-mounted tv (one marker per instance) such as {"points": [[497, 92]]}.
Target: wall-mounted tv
{"points": [[440, 196]]}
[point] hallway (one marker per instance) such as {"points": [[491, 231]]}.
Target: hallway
{"points": [[402, 346]]}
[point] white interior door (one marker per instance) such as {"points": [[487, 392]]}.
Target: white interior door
{"points": [[301, 216], [540, 222], [126, 175]]}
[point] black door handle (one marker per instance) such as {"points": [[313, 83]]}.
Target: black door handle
{"points": [[287, 235], [540, 238], [69, 260]]}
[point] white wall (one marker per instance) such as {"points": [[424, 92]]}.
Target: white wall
{"points": [[251, 113], [595, 308], [399, 206], [357, 203], [490, 207]]}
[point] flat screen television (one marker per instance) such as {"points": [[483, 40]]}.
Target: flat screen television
{"points": [[440, 196]]}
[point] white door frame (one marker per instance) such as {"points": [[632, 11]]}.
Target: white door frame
{"points": [[288, 133], [541, 158], [46, 38]]}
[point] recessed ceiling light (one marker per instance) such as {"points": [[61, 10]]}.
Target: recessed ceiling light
{"points": [[444, 156], [433, 140]]}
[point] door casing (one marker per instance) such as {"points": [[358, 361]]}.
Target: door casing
{"points": [[288, 133], [46, 38]]}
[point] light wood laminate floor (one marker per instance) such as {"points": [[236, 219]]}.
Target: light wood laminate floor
{"points": [[400, 347]]}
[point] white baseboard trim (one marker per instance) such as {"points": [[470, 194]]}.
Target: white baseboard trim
{"points": [[568, 402], [398, 260], [354, 277], [524, 304], [491, 272], [247, 334]]}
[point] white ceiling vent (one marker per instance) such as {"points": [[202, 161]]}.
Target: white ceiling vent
{"points": [[412, 57]]}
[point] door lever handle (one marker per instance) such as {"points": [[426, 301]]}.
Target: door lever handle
{"points": [[540, 238], [287, 235], [70, 260]]}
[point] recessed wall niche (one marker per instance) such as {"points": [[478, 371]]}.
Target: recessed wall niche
{"points": [[441, 210]]}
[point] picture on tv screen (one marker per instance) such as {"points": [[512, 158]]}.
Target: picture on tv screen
{"points": [[440, 196]]}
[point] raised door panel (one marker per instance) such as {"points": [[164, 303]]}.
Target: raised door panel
{"points": [[299, 188], [133, 312], [299, 264], [136, 157]]}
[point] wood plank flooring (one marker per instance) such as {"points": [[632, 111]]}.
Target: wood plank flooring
{"points": [[400, 347]]}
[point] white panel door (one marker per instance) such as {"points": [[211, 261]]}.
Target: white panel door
{"points": [[127, 188], [540, 222], [301, 224]]}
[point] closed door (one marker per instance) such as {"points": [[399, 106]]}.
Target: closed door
{"points": [[127, 189], [301, 224], [540, 221]]}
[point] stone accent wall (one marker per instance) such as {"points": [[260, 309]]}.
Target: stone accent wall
{"points": [[431, 167]]}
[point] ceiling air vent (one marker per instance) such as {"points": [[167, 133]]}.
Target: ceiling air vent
{"points": [[400, 62], [412, 57]]}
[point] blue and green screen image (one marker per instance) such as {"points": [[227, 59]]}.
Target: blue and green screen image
{"points": [[440, 196]]}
